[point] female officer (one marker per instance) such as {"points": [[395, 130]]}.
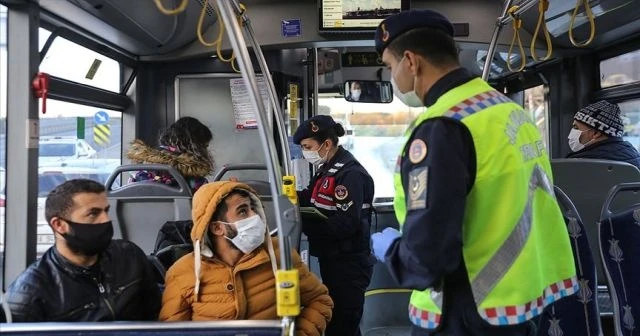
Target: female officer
{"points": [[343, 191]]}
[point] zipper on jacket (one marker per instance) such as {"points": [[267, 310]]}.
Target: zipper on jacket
{"points": [[121, 289], [104, 297], [75, 311]]}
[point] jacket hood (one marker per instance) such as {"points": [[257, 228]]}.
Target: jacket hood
{"points": [[186, 163], [204, 205]]}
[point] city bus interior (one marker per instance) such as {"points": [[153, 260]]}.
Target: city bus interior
{"points": [[94, 75]]}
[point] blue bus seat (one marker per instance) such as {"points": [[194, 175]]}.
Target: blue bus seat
{"points": [[576, 314], [620, 251], [190, 328], [138, 210], [587, 183]]}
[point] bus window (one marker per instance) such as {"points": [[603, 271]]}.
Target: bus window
{"points": [[3, 130], [536, 104], [374, 135], [623, 69], [631, 118], [68, 60], [76, 141]]}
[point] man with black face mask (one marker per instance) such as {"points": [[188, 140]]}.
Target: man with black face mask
{"points": [[85, 276]]}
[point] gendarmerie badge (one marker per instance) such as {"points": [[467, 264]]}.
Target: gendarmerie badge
{"points": [[417, 151]]}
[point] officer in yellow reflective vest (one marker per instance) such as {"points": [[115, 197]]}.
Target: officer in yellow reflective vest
{"points": [[483, 242]]}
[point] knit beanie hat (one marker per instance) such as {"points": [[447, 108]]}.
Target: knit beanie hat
{"points": [[602, 116]]}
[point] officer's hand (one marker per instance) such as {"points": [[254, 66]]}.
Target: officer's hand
{"points": [[382, 240]]}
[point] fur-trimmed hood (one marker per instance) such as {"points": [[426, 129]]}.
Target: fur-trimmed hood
{"points": [[186, 163]]}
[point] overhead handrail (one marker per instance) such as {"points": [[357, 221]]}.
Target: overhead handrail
{"points": [[543, 6], [494, 40], [273, 95], [218, 41], [592, 24], [517, 25], [175, 11], [617, 189], [199, 32]]}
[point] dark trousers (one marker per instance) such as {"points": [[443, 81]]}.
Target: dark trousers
{"points": [[347, 277]]}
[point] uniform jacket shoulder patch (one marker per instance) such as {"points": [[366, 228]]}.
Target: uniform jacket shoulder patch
{"points": [[418, 179], [417, 151], [341, 192]]}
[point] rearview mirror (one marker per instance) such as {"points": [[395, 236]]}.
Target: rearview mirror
{"points": [[362, 91]]}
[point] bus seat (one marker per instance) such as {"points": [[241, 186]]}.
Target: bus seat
{"points": [[577, 314], [587, 183], [386, 307], [138, 210], [620, 251], [158, 270]]}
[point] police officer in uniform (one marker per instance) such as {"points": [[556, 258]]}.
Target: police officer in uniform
{"points": [[343, 191], [483, 243]]}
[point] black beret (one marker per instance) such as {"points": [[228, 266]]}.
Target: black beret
{"points": [[316, 125], [397, 24]]}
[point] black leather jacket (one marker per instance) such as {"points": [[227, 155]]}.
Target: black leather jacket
{"points": [[120, 286]]}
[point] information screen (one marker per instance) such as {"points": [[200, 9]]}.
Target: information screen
{"points": [[357, 15]]}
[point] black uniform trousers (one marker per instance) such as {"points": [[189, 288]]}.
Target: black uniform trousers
{"points": [[347, 277]]}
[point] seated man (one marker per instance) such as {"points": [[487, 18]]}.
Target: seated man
{"points": [[230, 274], [85, 276], [597, 134]]}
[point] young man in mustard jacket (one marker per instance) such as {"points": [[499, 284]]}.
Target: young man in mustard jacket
{"points": [[230, 274]]}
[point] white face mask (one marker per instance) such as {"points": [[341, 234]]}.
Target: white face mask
{"points": [[250, 233], [410, 98], [313, 156], [355, 94], [574, 140]]}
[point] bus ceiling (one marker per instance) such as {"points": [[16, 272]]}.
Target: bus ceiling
{"points": [[144, 32]]}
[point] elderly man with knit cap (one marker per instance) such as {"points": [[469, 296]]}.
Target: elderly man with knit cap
{"points": [[597, 134], [230, 274]]}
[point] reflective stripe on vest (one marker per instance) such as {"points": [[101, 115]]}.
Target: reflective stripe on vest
{"points": [[502, 260]]}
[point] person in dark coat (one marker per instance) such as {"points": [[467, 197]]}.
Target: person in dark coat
{"points": [[597, 134], [86, 276], [342, 190]]}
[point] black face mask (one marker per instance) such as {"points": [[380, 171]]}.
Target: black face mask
{"points": [[88, 239]]}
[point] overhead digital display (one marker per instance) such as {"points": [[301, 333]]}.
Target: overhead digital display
{"points": [[357, 15]]}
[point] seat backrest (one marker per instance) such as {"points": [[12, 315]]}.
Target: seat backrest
{"points": [[587, 183], [577, 314], [620, 251], [170, 254], [386, 306], [138, 210]]}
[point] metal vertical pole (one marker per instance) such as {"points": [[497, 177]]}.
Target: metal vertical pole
{"points": [[494, 40], [21, 140], [316, 81], [246, 67], [273, 95]]}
